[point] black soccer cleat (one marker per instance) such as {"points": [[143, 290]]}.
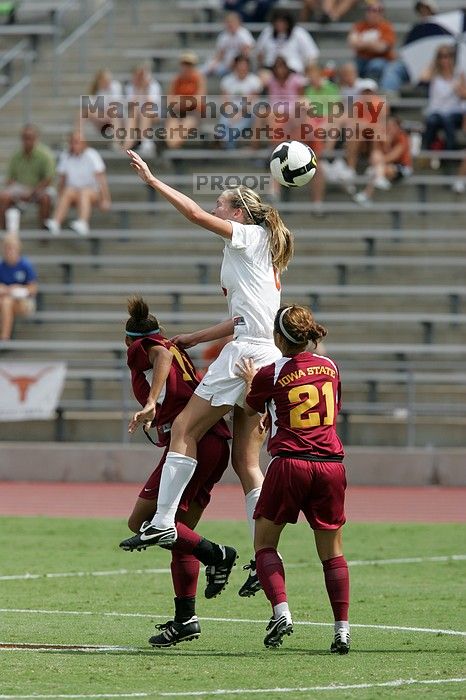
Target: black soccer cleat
{"points": [[175, 632], [217, 575], [252, 583], [149, 536], [341, 642], [277, 629]]}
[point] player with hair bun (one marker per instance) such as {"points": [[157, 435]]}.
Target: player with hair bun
{"points": [[150, 352], [257, 248], [301, 393]]}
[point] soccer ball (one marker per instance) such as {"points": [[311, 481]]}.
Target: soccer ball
{"points": [[293, 164]]}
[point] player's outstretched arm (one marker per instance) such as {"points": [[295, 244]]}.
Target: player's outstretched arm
{"points": [[220, 330], [184, 204]]}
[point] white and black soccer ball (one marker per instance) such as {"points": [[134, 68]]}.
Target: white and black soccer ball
{"points": [[293, 164]]}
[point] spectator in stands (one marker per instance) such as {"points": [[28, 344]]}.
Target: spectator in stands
{"points": [[326, 10], [447, 90], [144, 89], [103, 84], [18, 285], [389, 161], [238, 84], [186, 90], [250, 10], [235, 40], [395, 73], [82, 183], [373, 41], [348, 79], [282, 37], [29, 176], [283, 85], [343, 171], [319, 92]]}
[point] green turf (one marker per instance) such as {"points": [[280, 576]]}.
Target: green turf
{"points": [[229, 655]]}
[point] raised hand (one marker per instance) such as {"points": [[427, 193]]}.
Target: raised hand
{"points": [[140, 166]]}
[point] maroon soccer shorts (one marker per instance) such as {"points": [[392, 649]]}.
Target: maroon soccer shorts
{"points": [[315, 488], [213, 453]]}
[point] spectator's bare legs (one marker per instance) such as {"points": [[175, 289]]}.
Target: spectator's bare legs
{"points": [[85, 199], [5, 202], [67, 198], [336, 9], [377, 162], [318, 186], [178, 130], [9, 308], [44, 202], [7, 311], [308, 9], [352, 152]]}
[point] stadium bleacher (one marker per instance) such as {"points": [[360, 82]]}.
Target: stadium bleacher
{"points": [[388, 281]]}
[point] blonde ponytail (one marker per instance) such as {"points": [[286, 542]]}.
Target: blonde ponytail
{"points": [[257, 212]]}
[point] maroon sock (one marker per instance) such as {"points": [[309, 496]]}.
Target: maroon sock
{"points": [[337, 583], [185, 572], [271, 574], [187, 539]]}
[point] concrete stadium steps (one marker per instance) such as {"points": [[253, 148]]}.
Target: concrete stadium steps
{"points": [[110, 425], [378, 332], [205, 245], [105, 426], [217, 304]]}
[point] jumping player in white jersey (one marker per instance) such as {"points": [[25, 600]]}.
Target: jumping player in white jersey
{"points": [[258, 246]]}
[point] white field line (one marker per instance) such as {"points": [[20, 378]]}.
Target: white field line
{"points": [[125, 572], [426, 630], [244, 691], [80, 649]]}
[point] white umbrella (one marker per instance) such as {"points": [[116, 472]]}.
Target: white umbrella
{"points": [[423, 40]]}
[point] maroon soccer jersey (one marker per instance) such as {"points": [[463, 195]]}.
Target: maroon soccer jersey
{"points": [[179, 387], [302, 397]]}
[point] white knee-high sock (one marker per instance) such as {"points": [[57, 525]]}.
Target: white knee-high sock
{"points": [[176, 474], [251, 499]]}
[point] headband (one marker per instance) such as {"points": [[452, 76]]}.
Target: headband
{"points": [[285, 332], [245, 205], [141, 335]]}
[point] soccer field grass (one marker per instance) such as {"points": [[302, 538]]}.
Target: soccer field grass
{"points": [[401, 612]]}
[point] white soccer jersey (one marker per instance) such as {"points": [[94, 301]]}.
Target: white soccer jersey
{"points": [[251, 285]]}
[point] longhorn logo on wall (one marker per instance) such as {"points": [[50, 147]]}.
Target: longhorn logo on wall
{"points": [[30, 390]]}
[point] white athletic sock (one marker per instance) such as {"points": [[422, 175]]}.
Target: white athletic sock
{"points": [[341, 624], [176, 473], [251, 499], [282, 609]]}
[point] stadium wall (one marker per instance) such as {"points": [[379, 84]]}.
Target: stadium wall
{"points": [[133, 463]]}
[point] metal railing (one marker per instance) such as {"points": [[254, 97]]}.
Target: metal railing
{"points": [[18, 51], [80, 34]]}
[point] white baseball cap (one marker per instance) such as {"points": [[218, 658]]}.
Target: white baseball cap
{"points": [[367, 84]]}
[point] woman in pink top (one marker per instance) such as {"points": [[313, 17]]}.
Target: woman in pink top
{"points": [[283, 88]]}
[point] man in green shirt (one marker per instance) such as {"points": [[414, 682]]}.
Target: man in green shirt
{"points": [[30, 174]]}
